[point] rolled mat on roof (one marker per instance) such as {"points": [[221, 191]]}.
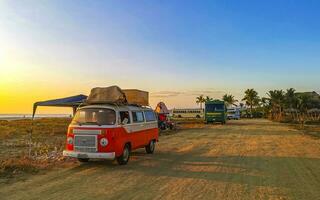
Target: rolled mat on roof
{"points": [[112, 94], [115, 94]]}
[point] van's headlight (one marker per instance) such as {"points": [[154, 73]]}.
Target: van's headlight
{"points": [[104, 142], [70, 140]]}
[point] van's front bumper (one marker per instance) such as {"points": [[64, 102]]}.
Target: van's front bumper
{"points": [[74, 154]]}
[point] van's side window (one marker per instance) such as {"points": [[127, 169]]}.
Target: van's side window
{"points": [[137, 117], [150, 116], [124, 117]]}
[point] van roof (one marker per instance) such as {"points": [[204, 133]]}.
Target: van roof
{"points": [[118, 107]]}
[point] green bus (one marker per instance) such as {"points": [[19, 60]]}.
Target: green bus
{"points": [[215, 111]]}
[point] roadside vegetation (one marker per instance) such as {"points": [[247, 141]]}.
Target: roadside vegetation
{"points": [[229, 99], [200, 100], [278, 105], [47, 143]]}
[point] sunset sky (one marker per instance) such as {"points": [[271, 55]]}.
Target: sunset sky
{"points": [[176, 50]]}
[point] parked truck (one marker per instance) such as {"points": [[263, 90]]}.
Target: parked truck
{"points": [[215, 111]]}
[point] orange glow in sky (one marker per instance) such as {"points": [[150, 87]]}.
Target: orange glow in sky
{"points": [[176, 51]]}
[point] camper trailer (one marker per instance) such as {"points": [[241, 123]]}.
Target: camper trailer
{"points": [[111, 130]]}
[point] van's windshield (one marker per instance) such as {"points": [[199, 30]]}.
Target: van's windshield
{"points": [[95, 116]]}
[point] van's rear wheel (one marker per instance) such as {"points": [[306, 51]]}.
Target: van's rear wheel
{"points": [[83, 160], [124, 158], [150, 147]]}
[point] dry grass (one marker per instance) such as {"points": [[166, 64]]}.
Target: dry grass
{"points": [[48, 141], [20, 167], [12, 167], [312, 130]]}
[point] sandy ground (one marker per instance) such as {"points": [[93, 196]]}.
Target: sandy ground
{"points": [[245, 159]]}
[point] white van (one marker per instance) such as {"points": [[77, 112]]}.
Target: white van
{"points": [[233, 113]]}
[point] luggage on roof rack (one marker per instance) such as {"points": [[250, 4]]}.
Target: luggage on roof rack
{"points": [[112, 94], [137, 97], [115, 95]]}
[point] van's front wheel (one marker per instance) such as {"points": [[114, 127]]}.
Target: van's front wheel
{"points": [[124, 158], [150, 147]]}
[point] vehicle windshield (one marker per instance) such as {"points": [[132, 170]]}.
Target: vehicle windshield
{"points": [[214, 107], [95, 116]]}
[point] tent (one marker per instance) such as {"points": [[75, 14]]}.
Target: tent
{"points": [[161, 108], [73, 102]]}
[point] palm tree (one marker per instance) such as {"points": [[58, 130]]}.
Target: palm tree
{"points": [[291, 99], [251, 98], [303, 104], [276, 98], [208, 99], [229, 99], [265, 105], [291, 102], [200, 100]]}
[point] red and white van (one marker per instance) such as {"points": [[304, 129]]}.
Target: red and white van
{"points": [[111, 132]]}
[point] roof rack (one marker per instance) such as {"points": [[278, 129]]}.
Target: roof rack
{"points": [[115, 104]]}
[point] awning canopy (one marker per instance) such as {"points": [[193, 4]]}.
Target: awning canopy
{"points": [[73, 101]]}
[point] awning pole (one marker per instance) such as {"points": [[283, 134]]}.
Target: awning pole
{"points": [[31, 130], [30, 138], [74, 109]]}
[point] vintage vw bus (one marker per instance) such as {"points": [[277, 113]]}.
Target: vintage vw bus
{"points": [[110, 131]]}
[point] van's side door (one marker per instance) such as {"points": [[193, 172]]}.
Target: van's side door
{"points": [[138, 128], [125, 120], [151, 126]]}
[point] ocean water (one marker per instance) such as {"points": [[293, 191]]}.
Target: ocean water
{"points": [[28, 116]]}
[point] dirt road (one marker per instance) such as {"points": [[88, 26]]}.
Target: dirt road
{"points": [[246, 159]]}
